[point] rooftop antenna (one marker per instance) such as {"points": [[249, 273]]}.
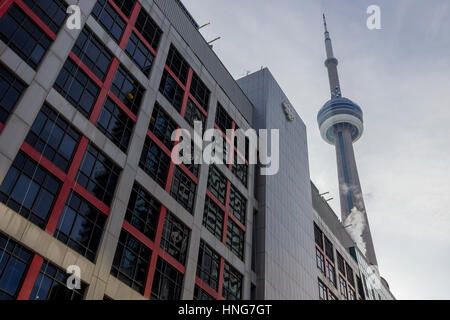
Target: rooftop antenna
{"points": [[215, 39], [204, 25]]}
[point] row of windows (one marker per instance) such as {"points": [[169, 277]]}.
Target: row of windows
{"points": [[140, 54], [171, 90], [81, 226], [183, 190], [148, 28], [53, 137], [126, 6], [109, 19], [51, 12], [11, 89], [127, 89], [162, 126], [24, 36], [235, 239], [199, 91], [143, 212], [217, 184], [98, 174], [93, 53], [29, 190], [325, 293], [327, 267], [224, 122], [213, 216], [155, 162], [76, 86], [115, 124], [177, 64], [208, 265], [50, 283]]}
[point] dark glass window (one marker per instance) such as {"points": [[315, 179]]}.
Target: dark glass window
{"points": [[200, 294], [350, 277], [29, 190], [194, 114], [11, 89], [14, 263], [217, 183], [167, 282], [51, 12], [351, 294], [24, 36], [341, 264], [148, 28], [213, 218], [125, 5], [200, 91], [240, 170], [193, 167], [140, 54], [155, 162], [175, 238], [208, 265], [329, 249], [98, 174], [318, 236], [238, 204], [223, 120], [127, 89], [162, 126], [360, 288], [93, 53], [177, 64], [143, 211], [171, 90], [235, 239], [331, 273], [232, 283], [53, 137], [320, 261], [115, 124], [343, 287], [109, 19], [74, 85], [183, 189], [322, 291], [51, 284], [81, 226], [131, 262]]}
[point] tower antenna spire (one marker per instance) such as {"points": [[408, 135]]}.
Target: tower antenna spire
{"points": [[331, 63], [325, 23], [341, 123]]}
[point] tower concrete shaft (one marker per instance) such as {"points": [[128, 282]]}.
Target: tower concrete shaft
{"points": [[350, 192], [341, 124]]}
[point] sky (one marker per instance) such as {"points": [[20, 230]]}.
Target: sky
{"points": [[400, 76]]}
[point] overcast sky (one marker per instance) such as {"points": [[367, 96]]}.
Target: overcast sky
{"points": [[400, 76]]}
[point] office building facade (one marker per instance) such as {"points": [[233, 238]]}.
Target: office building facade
{"points": [[86, 177]]}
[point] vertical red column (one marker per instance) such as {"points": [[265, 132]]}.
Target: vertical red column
{"points": [[67, 186], [30, 278]]}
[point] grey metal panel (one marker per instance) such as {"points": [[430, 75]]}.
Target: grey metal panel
{"points": [[284, 226], [182, 23]]}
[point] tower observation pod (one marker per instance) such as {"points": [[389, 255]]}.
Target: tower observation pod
{"points": [[341, 123]]}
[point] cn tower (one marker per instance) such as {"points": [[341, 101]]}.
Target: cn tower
{"points": [[341, 124]]}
